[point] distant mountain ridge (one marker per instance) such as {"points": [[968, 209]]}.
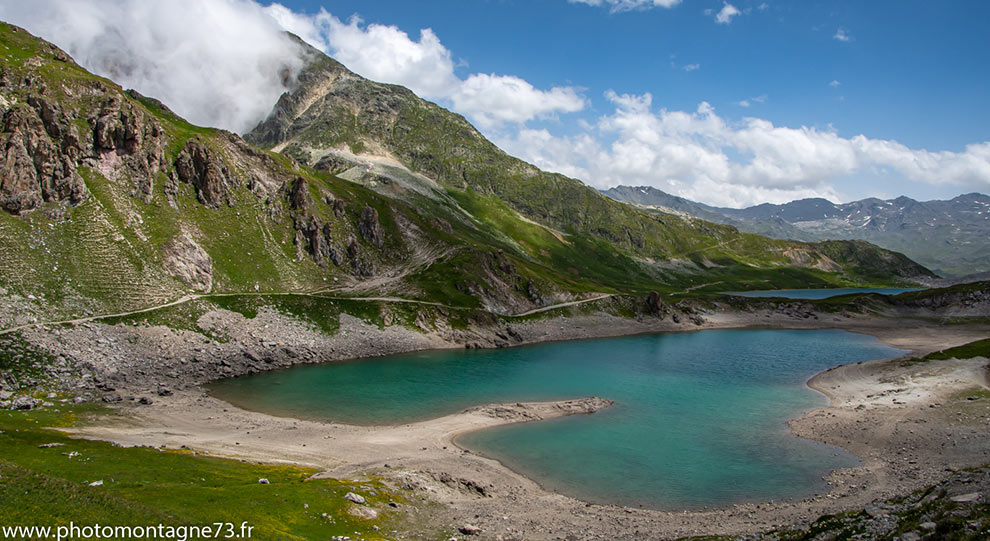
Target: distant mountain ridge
{"points": [[951, 237]]}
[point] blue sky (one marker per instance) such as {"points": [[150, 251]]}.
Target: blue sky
{"points": [[915, 71], [909, 77], [730, 103]]}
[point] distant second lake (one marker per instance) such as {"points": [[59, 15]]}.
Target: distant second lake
{"points": [[813, 294], [699, 418]]}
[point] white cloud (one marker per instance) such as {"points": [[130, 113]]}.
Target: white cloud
{"points": [[691, 67], [224, 63], [725, 15], [835, 83], [376, 51], [842, 35], [616, 6], [758, 99], [702, 156], [217, 62], [493, 99]]}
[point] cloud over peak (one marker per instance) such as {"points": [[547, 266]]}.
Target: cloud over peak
{"points": [[217, 62], [224, 63]]}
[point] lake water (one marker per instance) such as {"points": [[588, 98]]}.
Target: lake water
{"points": [[814, 294], [699, 419]]}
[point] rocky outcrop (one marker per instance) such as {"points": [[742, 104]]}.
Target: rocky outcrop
{"points": [[317, 239], [654, 304], [299, 196], [189, 262], [205, 170], [39, 159], [128, 142], [42, 150], [370, 228]]}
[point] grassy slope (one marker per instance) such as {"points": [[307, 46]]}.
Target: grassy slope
{"points": [[144, 486], [106, 254], [441, 145]]}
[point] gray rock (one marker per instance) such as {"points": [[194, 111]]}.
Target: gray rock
{"points": [[469, 529], [928, 525], [352, 497], [189, 262], [362, 512], [24, 402], [203, 167], [966, 498]]}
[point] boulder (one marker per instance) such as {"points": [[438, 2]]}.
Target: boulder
{"points": [[24, 402], [362, 512], [352, 497]]}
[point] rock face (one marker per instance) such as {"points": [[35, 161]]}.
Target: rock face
{"points": [[188, 262], [370, 228], [39, 159], [124, 135], [316, 238], [299, 196], [42, 150], [654, 304], [202, 167]]}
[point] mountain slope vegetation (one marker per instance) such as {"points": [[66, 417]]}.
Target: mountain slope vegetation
{"points": [[948, 236], [112, 203]]}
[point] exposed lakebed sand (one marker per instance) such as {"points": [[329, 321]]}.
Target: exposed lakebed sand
{"points": [[909, 422]]}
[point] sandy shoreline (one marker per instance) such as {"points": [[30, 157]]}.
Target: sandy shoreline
{"points": [[880, 410]]}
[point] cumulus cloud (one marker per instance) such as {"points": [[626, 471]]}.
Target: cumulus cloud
{"points": [[224, 63], [217, 62], [493, 99], [616, 6], [725, 15], [691, 67], [842, 35], [703, 156]]}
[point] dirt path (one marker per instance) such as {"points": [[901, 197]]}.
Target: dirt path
{"points": [[320, 294], [87, 319], [562, 305]]}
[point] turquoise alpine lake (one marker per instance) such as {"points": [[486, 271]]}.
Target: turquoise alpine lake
{"points": [[700, 418], [814, 294]]}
